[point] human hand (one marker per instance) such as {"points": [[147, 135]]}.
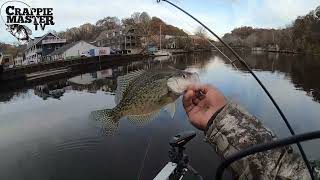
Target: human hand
{"points": [[201, 102]]}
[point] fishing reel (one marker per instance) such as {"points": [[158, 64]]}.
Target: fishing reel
{"points": [[179, 167]]}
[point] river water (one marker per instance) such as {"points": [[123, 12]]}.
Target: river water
{"points": [[45, 132]]}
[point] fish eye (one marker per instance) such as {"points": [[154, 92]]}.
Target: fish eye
{"points": [[184, 76]]}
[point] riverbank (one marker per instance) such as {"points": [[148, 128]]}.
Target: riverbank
{"points": [[42, 70], [287, 52], [49, 68]]}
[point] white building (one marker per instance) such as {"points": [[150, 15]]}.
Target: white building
{"points": [[41, 47], [18, 61], [76, 50]]}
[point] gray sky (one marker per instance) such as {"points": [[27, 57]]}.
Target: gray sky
{"points": [[220, 15]]}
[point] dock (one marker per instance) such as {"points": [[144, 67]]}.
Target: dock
{"points": [[63, 66]]}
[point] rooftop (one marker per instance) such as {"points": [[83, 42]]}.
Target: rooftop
{"points": [[63, 49], [36, 40]]}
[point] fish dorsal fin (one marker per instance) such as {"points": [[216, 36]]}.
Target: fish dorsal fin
{"points": [[141, 120], [124, 81], [171, 109]]}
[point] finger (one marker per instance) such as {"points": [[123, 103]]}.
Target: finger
{"points": [[187, 98], [190, 108], [208, 87], [204, 89], [200, 95], [191, 87], [195, 101]]}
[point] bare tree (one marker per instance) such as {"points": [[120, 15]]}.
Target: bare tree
{"points": [[108, 23], [128, 22], [136, 17], [200, 31], [143, 23]]}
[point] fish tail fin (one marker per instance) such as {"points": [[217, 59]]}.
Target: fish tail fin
{"points": [[108, 118]]}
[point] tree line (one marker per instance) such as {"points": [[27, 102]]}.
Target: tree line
{"points": [[142, 22], [11, 49], [303, 35]]}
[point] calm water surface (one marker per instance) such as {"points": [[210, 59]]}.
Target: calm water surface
{"points": [[45, 132]]}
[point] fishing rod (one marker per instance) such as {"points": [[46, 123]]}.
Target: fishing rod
{"points": [[178, 166], [238, 58], [265, 147]]}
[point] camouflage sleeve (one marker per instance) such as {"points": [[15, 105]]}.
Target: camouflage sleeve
{"points": [[234, 129]]}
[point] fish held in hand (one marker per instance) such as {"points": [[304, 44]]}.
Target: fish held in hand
{"points": [[141, 94]]}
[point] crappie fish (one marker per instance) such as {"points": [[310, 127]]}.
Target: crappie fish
{"points": [[141, 94], [21, 32]]}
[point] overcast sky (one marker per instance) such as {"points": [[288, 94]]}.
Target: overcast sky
{"points": [[220, 15]]}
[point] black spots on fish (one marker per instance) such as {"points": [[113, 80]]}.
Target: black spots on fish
{"points": [[108, 118], [21, 32]]}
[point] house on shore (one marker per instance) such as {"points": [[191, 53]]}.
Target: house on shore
{"points": [[171, 41], [6, 60], [41, 47], [122, 38], [258, 48], [198, 42], [72, 50], [273, 48], [18, 60]]}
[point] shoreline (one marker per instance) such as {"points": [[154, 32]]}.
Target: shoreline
{"points": [[45, 69], [22, 72], [286, 52]]}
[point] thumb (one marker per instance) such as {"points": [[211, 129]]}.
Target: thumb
{"points": [[187, 99]]}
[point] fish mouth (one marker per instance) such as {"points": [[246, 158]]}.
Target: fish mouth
{"points": [[173, 94], [178, 85]]}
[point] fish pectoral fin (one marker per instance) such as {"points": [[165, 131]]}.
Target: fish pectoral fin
{"points": [[108, 120], [171, 109], [144, 119], [124, 81]]}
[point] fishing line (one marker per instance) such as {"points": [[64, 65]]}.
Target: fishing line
{"points": [[232, 62], [145, 156], [305, 159], [224, 55]]}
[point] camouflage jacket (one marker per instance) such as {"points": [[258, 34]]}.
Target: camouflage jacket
{"points": [[234, 129]]}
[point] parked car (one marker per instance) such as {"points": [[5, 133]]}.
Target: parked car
{"points": [[112, 51], [120, 51], [85, 54], [31, 62], [126, 51]]}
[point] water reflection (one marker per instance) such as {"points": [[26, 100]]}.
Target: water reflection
{"points": [[106, 79], [45, 132], [302, 71], [54, 89]]}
